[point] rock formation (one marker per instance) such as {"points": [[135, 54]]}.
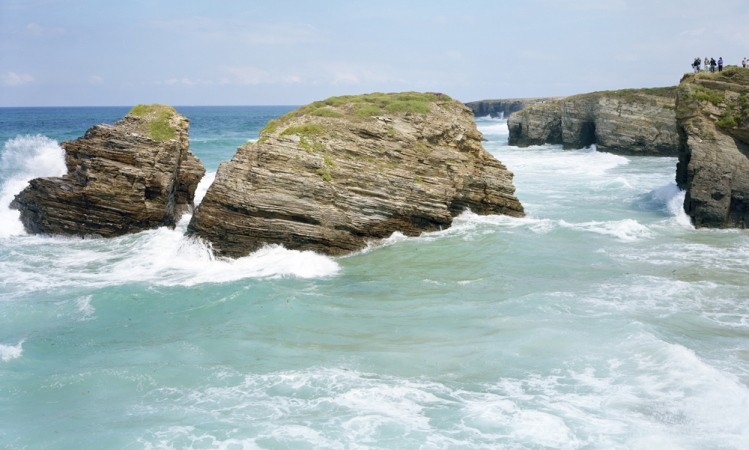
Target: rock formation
{"points": [[504, 107], [626, 122], [335, 174], [134, 175], [713, 119]]}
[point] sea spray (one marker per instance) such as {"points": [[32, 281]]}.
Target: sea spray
{"points": [[24, 158]]}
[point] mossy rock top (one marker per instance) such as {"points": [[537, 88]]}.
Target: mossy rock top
{"points": [[630, 94], [363, 107], [157, 121]]}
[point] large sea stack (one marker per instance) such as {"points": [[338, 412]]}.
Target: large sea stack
{"points": [[335, 174], [625, 122], [713, 117], [131, 176]]}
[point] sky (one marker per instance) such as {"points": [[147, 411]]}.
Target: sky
{"points": [[226, 52]]}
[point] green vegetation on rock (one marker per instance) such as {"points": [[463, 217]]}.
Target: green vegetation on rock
{"points": [[631, 94], [736, 112], [157, 120], [326, 112], [367, 105], [307, 130], [703, 94]]}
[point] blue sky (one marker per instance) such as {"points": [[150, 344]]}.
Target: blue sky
{"points": [[224, 52]]}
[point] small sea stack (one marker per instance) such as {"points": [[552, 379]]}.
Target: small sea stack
{"points": [[713, 117], [335, 174], [134, 175]]}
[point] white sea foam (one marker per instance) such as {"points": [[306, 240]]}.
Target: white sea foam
{"points": [[8, 352], [493, 127], [84, 307], [550, 160], [203, 186], [626, 230], [161, 256], [673, 199], [662, 390], [25, 158]]}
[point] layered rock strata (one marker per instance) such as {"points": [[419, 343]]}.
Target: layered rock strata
{"points": [[713, 119], [503, 108], [335, 174], [134, 175], [626, 122]]}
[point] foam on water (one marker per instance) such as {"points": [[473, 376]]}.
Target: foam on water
{"points": [[203, 186], [161, 256], [661, 390], [23, 159], [8, 352], [494, 127]]}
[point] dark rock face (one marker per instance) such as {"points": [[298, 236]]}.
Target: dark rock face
{"points": [[628, 122], [124, 178], [713, 118], [333, 175], [505, 107]]}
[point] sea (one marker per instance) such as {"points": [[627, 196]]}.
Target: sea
{"points": [[601, 320]]}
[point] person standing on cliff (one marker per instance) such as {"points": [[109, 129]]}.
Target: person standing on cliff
{"points": [[743, 63], [720, 64], [696, 65], [707, 64], [712, 65]]}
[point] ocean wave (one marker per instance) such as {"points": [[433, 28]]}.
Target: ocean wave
{"points": [[626, 230], [662, 390], [493, 127], [24, 158], [161, 257], [542, 162]]}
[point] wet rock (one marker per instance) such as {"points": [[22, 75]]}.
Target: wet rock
{"points": [[134, 175], [334, 175]]}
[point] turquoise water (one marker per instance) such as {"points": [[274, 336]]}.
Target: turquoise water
{"points": [[601, 320]]}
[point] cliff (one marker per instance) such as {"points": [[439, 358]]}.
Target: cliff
{"points": [[134, 175], [504, 107], [713, 119], [335, 174], [625, 122]]}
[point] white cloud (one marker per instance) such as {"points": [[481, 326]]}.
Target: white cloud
{"points": [[36, 30], [186, 81], [96, 80], [293, 80], [15, 79], [247, 75], [241, 32], [345, 78]]}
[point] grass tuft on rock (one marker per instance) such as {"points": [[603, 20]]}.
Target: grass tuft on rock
{"points": [[326, 112], [157, 119], [307, 130]]}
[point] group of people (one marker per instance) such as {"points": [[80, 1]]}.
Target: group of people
{"points": [[710, 64]]}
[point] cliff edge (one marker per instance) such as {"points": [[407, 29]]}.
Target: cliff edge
{"points": [[335, 174], [503, 108], [625, 122], [713, 118], [131, 176]]}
